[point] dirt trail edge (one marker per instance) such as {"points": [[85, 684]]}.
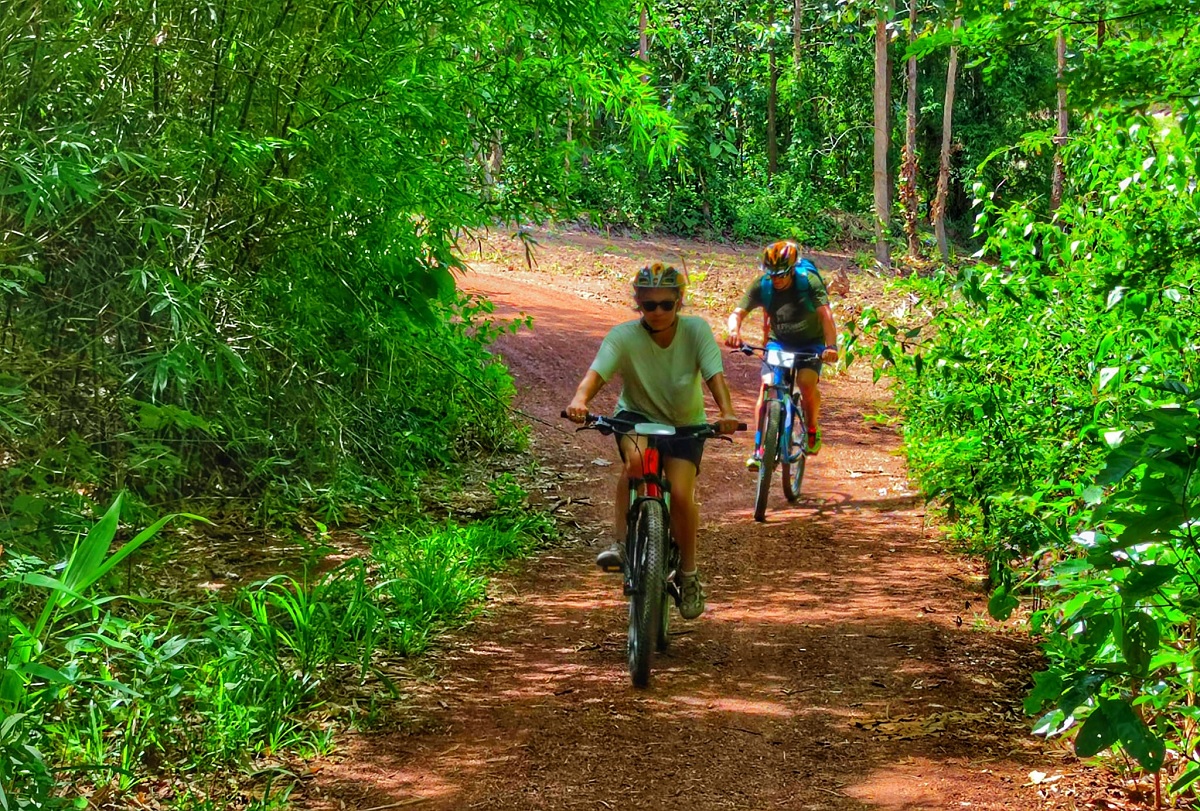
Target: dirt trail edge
{"points": [[844, 661]]}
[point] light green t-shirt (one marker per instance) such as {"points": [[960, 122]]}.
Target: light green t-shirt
{"points": [[661, 383]]}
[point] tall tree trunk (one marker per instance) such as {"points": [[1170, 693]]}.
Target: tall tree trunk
{"points": [[496, 159], [883, 256], [798, 54], [643, 45], [772, 98], [908, 174], [570, 142], [1058, 177], [943, 184]]}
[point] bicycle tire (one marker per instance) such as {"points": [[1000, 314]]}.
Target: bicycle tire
{"points": [[646, 601], [766, 469], [664, 621], [796, 458]]}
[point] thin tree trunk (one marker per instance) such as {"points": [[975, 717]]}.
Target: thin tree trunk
{"points": [[908, 174], [570, 141], [643, 45], [798, 61], [1058, 178], [943, 184], [772, 97], [882, 199], [496, 159]]}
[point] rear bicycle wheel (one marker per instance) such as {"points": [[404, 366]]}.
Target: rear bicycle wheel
{"points": [[649, 579], [770, 446], [796, 454]]}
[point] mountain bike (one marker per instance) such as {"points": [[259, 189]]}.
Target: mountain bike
{"points": [[652, 571], [783, 429]]}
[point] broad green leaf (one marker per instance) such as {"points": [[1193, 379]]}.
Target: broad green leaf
{"points": [[1002, 603], [1148, 748], [1047, 687], [1080, 688], [1145, 580], [1096, 734], [1120, 463], [1139, 639], [1052, 723]]}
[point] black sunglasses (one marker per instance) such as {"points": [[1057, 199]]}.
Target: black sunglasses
{"points": [[651, 306]]}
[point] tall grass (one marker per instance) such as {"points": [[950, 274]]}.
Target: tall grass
{"points": [[100, 690]]}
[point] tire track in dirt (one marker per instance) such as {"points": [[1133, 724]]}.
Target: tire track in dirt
{"points": [[838, 665]]}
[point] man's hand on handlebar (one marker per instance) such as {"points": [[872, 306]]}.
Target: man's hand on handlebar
{"points": [[729, 423], [830, 355], [734, 339], [577, 411]]}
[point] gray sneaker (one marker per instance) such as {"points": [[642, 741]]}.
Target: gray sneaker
{"points": [[691, 603], [612, 559]]}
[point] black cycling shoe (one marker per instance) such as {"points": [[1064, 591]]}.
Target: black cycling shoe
{"points": [[612, 559]]}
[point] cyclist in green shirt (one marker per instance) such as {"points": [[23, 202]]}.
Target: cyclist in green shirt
{"points": [[662, 358], [793, 295]]}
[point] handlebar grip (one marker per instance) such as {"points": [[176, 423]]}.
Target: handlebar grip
{"points": [[743, 426], [563, 414]]}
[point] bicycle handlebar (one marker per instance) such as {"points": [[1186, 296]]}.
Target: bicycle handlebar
{"points": [[611, 425], [750, 349]]}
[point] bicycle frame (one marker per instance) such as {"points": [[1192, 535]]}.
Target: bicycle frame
{"points": [[650, 485], [652, 569], [777, 425], [782, 388]]}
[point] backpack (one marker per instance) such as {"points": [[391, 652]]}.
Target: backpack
{"points": [[802, 283]]}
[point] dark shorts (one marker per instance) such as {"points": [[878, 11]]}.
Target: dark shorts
{"points": [[810, 349], [684, 447]]}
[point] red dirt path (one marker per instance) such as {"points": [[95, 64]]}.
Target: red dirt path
{"points": [[845, 660]]}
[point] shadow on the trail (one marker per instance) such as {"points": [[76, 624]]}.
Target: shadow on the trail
{"points": [[825, 683], [835, 667]]}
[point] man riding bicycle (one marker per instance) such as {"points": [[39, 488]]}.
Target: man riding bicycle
{"points": [[793, 296], [661, 357]]}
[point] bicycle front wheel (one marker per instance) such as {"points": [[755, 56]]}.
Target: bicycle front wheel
{"points": [[796, 453], [649, 579], [770, 446], [669, 593]]}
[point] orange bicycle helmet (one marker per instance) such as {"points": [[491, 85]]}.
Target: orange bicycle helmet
{"points": [[779, 258]]}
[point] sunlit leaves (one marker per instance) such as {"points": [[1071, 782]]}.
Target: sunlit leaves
{"points": [[1061, 429]]}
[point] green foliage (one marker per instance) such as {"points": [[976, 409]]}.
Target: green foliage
{"points": [[1051, 403], [708, 63], [112, 690], [227, 239]]}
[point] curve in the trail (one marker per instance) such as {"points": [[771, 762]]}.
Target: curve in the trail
{"points": [[838, 664]]}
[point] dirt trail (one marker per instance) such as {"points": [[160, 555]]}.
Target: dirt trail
{"points": [[843, 662]]}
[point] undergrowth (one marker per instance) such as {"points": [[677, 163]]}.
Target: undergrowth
{"points": [[105, 695], [1051, 403]]}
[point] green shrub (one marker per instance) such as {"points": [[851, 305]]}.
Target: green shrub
{"points": [[1052, 403]]}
